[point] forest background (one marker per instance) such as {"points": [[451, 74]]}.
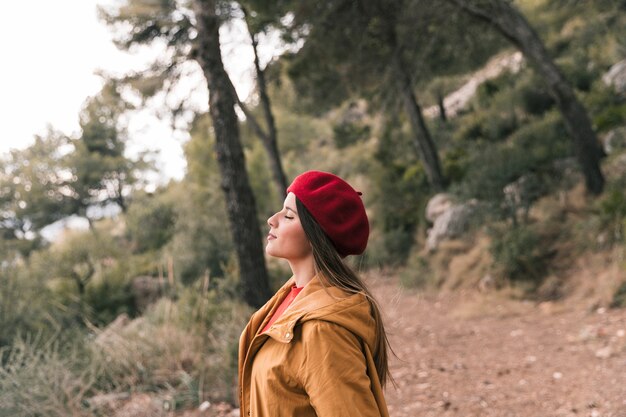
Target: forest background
{"points": [[488, 139]]}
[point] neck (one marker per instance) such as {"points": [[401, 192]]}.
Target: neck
{"points": [[303, 270]]}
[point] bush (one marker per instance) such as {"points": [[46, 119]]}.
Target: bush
{"points": [[187, 348], [150, 222], [45, 379], [610, 117], [26, 304], [347, 134], [619, 298], [611, 212], [519, 254], [536, 100], [417, 273], [532, 148]]}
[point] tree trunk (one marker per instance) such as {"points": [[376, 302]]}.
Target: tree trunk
{"points": [[422, 139], [514, 26], [269, 140], [442, 107], [240, 201]]}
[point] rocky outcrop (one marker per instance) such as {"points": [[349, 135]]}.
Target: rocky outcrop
{"points": [[615, 140], [616, 77], [450, 220]]}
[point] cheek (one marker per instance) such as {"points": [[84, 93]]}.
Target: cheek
{"points": [[301, 243]]}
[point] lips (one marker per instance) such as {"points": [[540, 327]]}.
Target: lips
{"points": [[271, 236]]}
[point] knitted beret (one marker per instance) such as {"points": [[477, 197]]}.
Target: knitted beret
{"points": [[337, 207]]}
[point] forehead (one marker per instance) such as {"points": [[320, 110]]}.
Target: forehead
{"points": [[290, 201]]}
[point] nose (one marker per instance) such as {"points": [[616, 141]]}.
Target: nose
{"points": [[270, 221]]}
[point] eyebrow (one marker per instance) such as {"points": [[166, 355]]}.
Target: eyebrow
{"points": [[290, 209]]}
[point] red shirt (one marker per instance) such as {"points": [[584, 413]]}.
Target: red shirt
{"points": [[283, 306]]}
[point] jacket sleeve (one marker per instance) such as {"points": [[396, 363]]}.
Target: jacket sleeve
{"points": [[334, 372]]}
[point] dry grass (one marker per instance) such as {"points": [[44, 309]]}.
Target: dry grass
{"points": [[42, 379], [186, 355]]}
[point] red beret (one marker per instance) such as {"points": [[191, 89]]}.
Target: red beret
{"points": [[337, 207]]}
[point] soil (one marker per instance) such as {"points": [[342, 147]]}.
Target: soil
{"points": [[467, 353], [473, 354]]}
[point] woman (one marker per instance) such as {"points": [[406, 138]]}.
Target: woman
{"points": [[318, 346]]}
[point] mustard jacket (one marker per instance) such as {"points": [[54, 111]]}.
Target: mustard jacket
{"points": [[315, 360]]}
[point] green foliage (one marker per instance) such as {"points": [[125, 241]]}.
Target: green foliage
{"points": [[87, 275], [417, 273], [43, 378], [201, 241], [454, 163], [182, 347], [398, 197], [610, 117], [611, 212], [25, 304], [532, 148], [150, 222], [346, 134], [535, 99], [619, 298], [31, 187], [519, 254]]}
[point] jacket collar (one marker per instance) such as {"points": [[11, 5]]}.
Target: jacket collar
{"points": [[316, 300]]}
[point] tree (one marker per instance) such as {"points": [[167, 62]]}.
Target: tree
{"points": [[33, 190], [269, 137], [367, 49], [240, 201], [512, 24], [173, 23], [189, 30], [100, 171]]}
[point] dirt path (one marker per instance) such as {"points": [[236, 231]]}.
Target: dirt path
{"points": [[476, 355]]}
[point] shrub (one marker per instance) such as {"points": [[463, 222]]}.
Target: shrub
{"points": [[619, 298], [417, 273], [186, 348], [536, 100], [150, 222], [530, 149], [611, 212], [519, 254], [44, 379], [610, 117], [346, 134]]}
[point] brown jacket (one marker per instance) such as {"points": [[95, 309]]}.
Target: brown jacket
{"points": [[315, 360]]}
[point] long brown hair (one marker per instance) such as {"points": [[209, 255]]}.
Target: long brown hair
{"points": [[330, 266]]}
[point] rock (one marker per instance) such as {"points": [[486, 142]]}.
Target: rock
{"points": [[615, 140], [438, 205], [108, 401], [450, 222], [142, 405], [204, 406], [146, 290], [616, 77], [604, 353], [112, 329], [486, 283]]}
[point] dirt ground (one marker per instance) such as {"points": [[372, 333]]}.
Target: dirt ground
{"points": [[470, 354], [483, 354]]}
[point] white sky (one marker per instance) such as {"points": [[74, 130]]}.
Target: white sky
{"points": [[50, 51]]}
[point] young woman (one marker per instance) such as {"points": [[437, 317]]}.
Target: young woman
{"points": [[318, 346]]}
